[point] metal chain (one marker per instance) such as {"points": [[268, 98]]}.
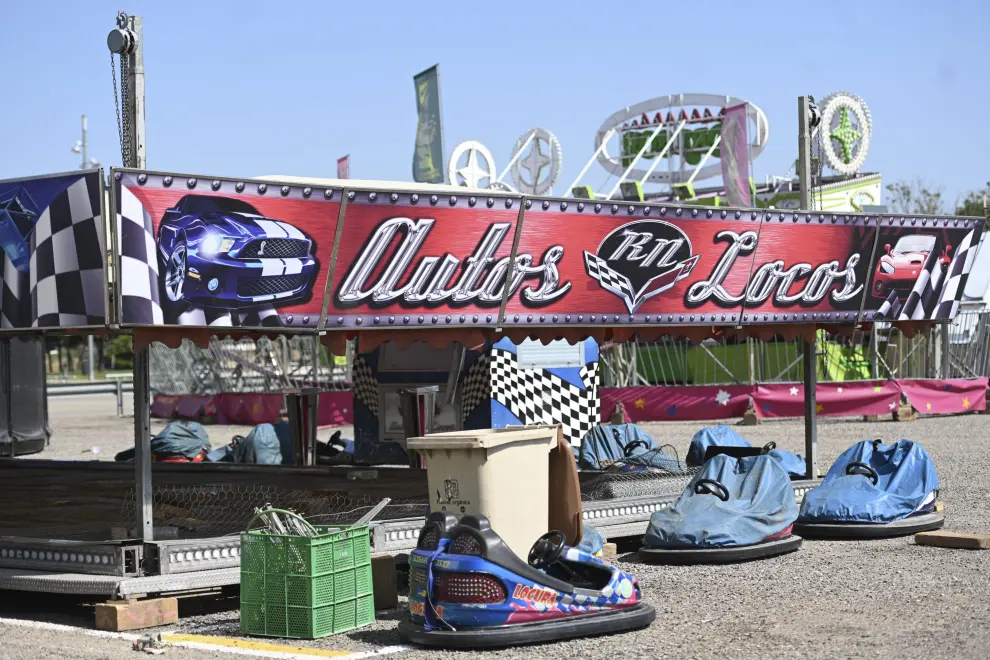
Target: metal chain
{"points": [[116, 103]]}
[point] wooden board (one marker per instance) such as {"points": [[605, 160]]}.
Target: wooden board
{"points": [[960, 540]]}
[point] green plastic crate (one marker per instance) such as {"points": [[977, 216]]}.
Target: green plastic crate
{"points": [[306, 587]]}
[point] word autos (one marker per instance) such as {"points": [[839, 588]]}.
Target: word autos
{"points": [[435, 279]]}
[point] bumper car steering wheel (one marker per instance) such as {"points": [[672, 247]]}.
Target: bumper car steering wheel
{"points": [[547, 550], [711, 487], [857, 467], [627, 452]]}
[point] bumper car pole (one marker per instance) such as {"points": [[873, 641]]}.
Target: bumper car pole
{"points": [[810, 409], [808, 119]]}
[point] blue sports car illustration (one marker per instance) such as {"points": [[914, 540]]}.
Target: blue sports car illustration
{"points": [[18, 215], [221, 252]]}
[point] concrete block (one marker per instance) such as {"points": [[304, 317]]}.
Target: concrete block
{"points": [[750, 418], [943, 539], [117, 616], [384, 582]]}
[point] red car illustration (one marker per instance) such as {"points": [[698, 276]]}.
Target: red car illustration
{"points": [[899, 268]]}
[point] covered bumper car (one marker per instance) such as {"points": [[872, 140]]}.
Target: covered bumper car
{"points": [[626, 448], [874, 491], [712, 440], [467, 589], [735, 509]]}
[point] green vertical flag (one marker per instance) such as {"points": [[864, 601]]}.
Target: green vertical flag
{"points": [[428, 157]]}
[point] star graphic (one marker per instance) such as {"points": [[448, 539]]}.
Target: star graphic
{"points": [[535, 161], [722, 397], [892, 405], [640, 403], [794, 391], [845, 135], [928, 406], [839, 390], [819, 407], [472, 172], [877, 388], [947, 388], [766, 406], [672, 410], [966, 402]]}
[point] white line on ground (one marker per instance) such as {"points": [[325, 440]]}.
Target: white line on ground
{"points": [[277, 655]]}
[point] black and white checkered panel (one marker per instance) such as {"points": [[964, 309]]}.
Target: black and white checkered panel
{"points": [[66, 281], [956, 278], [890, 307], [15, 309], [475, 387], [537, 396], [610, 279], [914, 306], [139, 302], [365, 385]]}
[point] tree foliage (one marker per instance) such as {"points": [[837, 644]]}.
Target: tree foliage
{"points": [[916, 197], [973, 204]]}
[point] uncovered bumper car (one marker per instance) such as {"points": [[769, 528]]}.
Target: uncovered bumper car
{"points": [[735, 509], [468, 589], [712, 440], [874, 491]]}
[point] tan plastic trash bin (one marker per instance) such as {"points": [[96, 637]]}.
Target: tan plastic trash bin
{"points": [[500, 473]]}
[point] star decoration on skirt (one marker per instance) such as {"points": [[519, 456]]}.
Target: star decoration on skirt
{"points": [[928, 406], [672, 410], [794, 391], [722, 398], [819, 407], [966, 402], [877, 388], [892, 405], [640, 403], [839, 390]]}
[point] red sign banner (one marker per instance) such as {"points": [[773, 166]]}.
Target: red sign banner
{"points": [[406, 259]]}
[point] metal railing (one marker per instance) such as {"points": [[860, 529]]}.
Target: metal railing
{"points": [[958, 350]]}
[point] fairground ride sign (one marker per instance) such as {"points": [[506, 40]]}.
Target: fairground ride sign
{"points": [[683, 149]]}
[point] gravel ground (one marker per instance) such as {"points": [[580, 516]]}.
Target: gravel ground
{"points": [[831, 599]]}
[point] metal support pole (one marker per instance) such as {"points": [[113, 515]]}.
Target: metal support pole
{"points": [[142, 445], [810, 348], [946, 361], [128, 42], [135, 82], [120, 398], [810, 410], [594, 157]]}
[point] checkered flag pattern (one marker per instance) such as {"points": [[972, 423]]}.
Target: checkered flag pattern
{"points": [[140, 301], [365, 385], [890, 307], [65, 284], [14, 310], [924, 290], [537, 396], [475, 387], [610, 280], [956, 278]]}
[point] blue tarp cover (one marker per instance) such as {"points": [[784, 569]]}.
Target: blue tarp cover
{"points": [[606, 444], [906, 477], [261, 447], [724, 436], [181, 438], [761, 503]]}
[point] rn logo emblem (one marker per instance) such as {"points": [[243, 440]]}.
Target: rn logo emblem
{"points": [[640, 260]]}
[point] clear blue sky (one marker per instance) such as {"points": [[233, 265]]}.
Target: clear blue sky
{"points": [[248, 88]]}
